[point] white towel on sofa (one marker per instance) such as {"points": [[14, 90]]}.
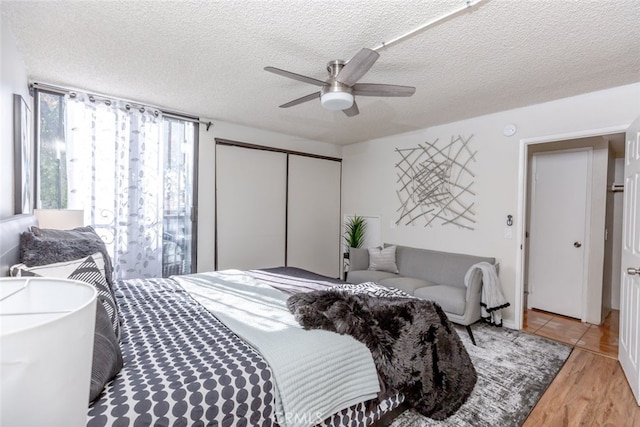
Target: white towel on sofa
{"points": [[492, 300]]}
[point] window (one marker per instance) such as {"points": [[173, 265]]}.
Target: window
{"points": [[52, 170], [130, 169], [178, 195]]}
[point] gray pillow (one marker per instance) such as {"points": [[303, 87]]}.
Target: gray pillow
{"points": [[74, 233], [107, 356], [43, 246], [383, 259]]}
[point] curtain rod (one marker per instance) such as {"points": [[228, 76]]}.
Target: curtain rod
{"points": [[66, 91]]}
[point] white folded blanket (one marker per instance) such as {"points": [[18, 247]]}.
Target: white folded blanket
{"points": [[492, 300]]}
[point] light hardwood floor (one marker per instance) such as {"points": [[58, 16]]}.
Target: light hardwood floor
{"points": [[590, 389]]}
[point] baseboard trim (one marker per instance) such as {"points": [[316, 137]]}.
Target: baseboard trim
{"points": [[509, 324]]}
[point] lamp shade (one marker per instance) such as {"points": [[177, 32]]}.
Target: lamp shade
{"points": [[336, 100], [46, 346], [59, 219]]}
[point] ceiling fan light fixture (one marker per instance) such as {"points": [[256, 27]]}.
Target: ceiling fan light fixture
{"points": [[338, 91], [336, 100]]}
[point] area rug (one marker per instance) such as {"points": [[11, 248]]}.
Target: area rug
{"points": [[514, 370]]}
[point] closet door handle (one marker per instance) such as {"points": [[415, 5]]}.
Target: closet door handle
{"points": [[633, 271], [577, 244]]}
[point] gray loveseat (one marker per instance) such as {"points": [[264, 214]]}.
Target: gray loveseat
{"points": [[432, 275]]}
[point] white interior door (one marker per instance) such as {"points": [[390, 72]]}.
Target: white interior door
{"points": [[630, 283], [250, 207], [313, 224], [559, 196]]}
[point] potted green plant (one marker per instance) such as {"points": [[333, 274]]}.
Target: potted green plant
{"points": [[355, 231]]}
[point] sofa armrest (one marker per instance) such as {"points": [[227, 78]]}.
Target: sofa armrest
{"points": [[358, 259]]}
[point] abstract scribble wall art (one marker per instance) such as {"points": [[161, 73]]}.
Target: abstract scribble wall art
{"points": [[435, 183]]}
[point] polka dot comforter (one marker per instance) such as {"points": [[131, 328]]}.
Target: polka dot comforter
{"points": [[183, 367]]}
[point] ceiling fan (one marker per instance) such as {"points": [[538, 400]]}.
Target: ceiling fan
{"points": [[338, 91]]}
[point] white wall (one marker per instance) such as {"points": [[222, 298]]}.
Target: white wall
{"points": [[13, 79], [369, 176], [206, 173]]}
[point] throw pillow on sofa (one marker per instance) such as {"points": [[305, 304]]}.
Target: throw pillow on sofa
{"points": [[383, 259]]}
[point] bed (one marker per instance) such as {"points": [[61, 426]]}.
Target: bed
{"points": [[184, 366]]}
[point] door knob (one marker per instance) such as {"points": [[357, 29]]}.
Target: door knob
{"points": [[577, 244], [633, 271]]}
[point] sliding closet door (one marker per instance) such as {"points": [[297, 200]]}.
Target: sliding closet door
{"points": [[313, 240], [251, 208]]}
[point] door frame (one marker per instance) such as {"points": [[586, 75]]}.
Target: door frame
{"points": [[523, 171]]}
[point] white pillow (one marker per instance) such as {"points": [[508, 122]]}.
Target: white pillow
{"points": [[61, 270], [383, 259]]}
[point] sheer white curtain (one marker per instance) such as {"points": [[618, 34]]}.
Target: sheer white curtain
{"points": [[115, 173]]}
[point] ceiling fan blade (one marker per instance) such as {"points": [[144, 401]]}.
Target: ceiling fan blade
{"points": [[373, 89], [357, 66], [295, 76], [352, 111], [306, 98]]}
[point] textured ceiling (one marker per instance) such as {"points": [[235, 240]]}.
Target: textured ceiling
{"points": [[207, 58]]}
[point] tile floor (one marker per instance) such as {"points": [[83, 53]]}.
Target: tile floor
{"points": [[601, 339]]}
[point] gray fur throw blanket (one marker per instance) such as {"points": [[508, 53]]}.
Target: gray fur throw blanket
{"points": [[416, 349]]}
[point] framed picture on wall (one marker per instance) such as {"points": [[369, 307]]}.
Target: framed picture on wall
{"points": [[23, 156]]}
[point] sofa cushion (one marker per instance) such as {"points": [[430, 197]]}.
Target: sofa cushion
{"points": [[358, 259], [407, 284], [450, 298], [441, 267], [361, 276]]}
